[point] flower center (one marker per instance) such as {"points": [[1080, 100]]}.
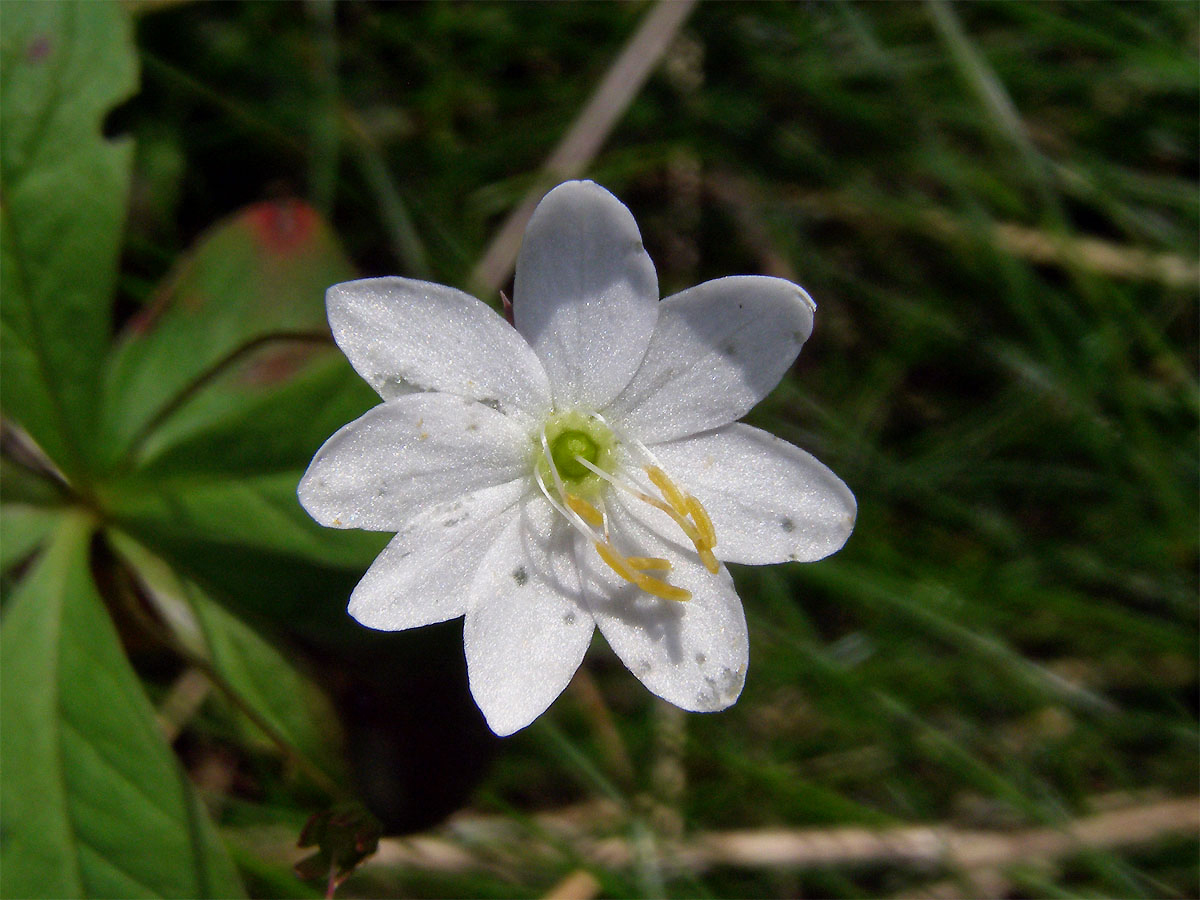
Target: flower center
{"points": [[577, 462], [568, 449], [570, 444]]}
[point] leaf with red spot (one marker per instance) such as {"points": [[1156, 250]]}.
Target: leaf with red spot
{"points": [[242, 313]]}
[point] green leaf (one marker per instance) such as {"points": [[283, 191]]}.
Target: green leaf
{"points": [[94, 803], [259, 513], [270, 685], [239, 315], [263, 679], [22, 530], [248, 542], [63, 66], [280, 430]]}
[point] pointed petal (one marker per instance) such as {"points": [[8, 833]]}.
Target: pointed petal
{"points": [[526, 631], [769, 500], [423, 574], [401, 335], [693, 653], [719, 348], [384, 468], [585, 295]]}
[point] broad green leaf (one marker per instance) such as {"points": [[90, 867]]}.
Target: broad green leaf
{"points": [[280, 430], [63, 66], [257, 672], [248, 542], [266, 681], [20, 484], [259, 513], [22, 530], [213, 337], [94, 802]]}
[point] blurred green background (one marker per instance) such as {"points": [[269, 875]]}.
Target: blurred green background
{"points": [[995, 207]]}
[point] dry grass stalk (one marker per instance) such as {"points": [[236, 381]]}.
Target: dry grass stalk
{"points": [[933, 846], [587, 133], [578, 885]]}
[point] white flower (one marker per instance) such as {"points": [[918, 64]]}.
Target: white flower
{"points": [[585, 468]]}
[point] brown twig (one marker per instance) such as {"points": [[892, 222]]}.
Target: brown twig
{"points": [[920, 846]]}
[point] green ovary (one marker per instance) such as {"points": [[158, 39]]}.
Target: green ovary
{"points": [[572, 436], [567, 448]]}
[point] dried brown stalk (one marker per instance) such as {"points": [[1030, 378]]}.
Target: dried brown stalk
{"points": [[585, 136]]}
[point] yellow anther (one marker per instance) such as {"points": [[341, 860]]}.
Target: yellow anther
{"points": [[673, 495], [661, 589], [650, 585], [652, 563], [710, 561], [700, 516], [584, 510], [616, 562], [683, 506]]}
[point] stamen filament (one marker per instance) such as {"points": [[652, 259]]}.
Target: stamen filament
{"points": [[568, 514], [701, 533], [633, 491], [558, 482], [686, 511]]}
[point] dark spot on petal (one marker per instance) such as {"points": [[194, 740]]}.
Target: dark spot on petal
{"points": [[701, 659], [520, 576], [787, 524], [729, 349], [451, 522], [569, 619]]}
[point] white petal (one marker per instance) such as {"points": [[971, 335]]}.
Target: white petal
{"points": [[401, 334], [384, 468], [693, 653], [718, 349], [585, 294], [526, 631], [423, 574], [769, 501]]}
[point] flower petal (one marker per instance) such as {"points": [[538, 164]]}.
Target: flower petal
{"points": [[693, 653], [718, 349], [526, 631], [423, 574], [585, 294], [386, 467], [401, 334], [769, 500]]}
